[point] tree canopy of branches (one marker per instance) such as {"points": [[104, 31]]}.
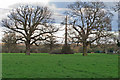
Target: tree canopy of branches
{"points": [[105, 42], [52, 39], [10, 41], [90, 21], [117, 8], [31, 23]]}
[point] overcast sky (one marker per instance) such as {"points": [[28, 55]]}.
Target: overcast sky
{"points": [[57, 6]]}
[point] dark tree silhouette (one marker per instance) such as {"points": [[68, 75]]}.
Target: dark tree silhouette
{"points": [[52, 39], [117, 9], [31, 22], [90, 21], [10, 41]]}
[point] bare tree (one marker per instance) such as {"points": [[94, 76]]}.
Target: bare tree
{"points": [[31, 22], [117, 9], [117, 6], [10, 41], [90, 22], [106, 42], [52, 39]]}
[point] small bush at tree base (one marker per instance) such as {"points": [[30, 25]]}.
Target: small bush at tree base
{"points": [[118, 44], [65, 50], [57, 51]]}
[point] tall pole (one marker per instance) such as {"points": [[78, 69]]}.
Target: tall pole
{"points": [[119, 24], [66, 30], [118, 9]]}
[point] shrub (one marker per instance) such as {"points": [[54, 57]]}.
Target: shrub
{"points": [[67, 50], [118, 44], [57, 51]]}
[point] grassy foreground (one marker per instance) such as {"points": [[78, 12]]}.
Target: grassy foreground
{"points": [[59, 66]]}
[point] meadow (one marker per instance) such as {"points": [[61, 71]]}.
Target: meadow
{"points": [[43, 65]]}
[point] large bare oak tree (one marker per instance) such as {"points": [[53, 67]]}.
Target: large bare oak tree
{"points": [[31, 22], [90, 21]]}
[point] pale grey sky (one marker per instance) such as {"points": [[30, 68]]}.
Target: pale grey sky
{"points": [[7, 5]]}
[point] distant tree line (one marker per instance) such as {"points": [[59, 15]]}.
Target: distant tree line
{"points": [[45, 49], [11, 46]]}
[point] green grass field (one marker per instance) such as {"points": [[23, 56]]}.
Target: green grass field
{"points": [[59, 66]]}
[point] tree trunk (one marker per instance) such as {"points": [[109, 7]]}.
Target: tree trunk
{"points": [[106, 51], [84, 49], [51, 47], [8, 49], [27, 48]]}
